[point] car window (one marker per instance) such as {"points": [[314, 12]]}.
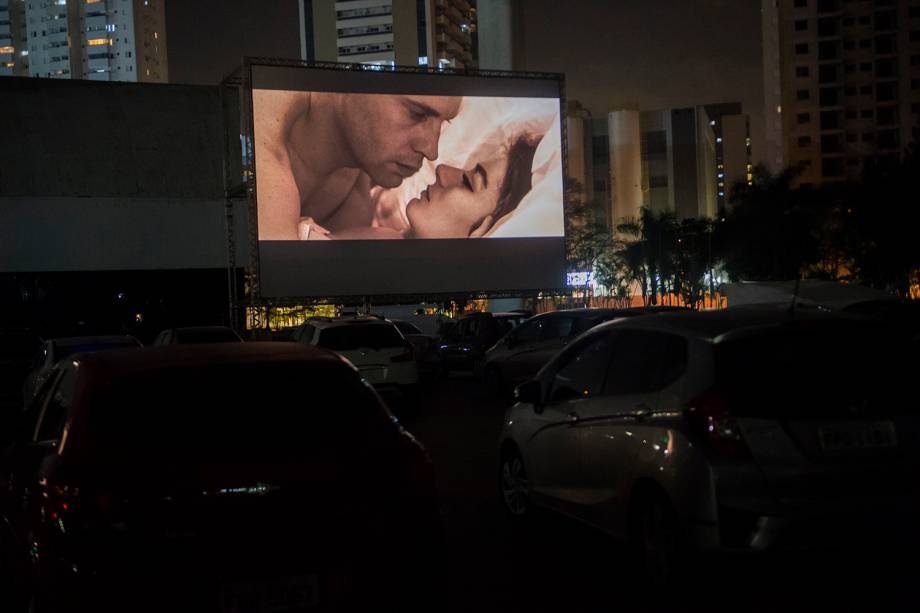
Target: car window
{"points": [[349, 337], [806, 370], [529, 331], [305, 333], [69, 350], [40, 356], [54, 414], [644, 361], [406, 328], [556, 327], [582, 373]]}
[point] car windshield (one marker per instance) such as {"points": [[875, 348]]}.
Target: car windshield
{"points": [[406, 328], [349, 337], [817, 371], [65, 351], [237, 412], [212, 335]]}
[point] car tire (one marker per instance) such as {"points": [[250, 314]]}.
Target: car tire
{"points": [[655, 538], [513, 485]]}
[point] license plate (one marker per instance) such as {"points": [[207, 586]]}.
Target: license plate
{"points": [[845, 437], [289, 594]]}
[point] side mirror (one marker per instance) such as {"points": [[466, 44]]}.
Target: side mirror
{"points": [[530, 392]]}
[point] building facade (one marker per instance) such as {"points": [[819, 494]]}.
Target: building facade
{"points": [[842, 84], [732, 130], [99, 40], [14, 53], [438, 33], [662, 160]]}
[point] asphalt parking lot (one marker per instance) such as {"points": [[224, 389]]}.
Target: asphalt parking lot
{"points": [[555, 564]]}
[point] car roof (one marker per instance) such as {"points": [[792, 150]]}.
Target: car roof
{"points": [[148, 359], [202, 329], [348, 321], [605, 312], [71, 341], [711, 325]]}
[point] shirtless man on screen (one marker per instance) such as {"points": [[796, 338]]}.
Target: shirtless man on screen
{"points": [[318, 155]]}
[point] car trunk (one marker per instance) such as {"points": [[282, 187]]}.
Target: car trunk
{"points": [[372, 348], [826, 413], [229, 481]]}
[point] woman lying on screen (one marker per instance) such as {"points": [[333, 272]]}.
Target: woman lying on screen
{"points": [[461, 203]]}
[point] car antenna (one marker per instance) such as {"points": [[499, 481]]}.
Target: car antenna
{"points": [[795, 296]]}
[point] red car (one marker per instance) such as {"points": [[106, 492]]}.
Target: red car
{"points": [[231, 477]]}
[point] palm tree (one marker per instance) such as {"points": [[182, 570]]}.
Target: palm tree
{"points": [[652, 250]]}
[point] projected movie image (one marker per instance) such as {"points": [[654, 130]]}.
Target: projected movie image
{"points": [[385, 182], [364, 166]]}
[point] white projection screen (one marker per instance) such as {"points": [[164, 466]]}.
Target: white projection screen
{"points": [[371, 182]]}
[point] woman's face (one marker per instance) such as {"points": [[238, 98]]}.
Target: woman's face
{"points": [[457, 201]]}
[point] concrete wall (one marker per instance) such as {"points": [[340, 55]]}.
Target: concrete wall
{"points": [[625, 164], [112, 176], [496, 32]]}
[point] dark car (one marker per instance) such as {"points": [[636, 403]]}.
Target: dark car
{"points": [[465, 343], [197, 334], [254, 476], [52, 351], [17, 350], [523, 351]]}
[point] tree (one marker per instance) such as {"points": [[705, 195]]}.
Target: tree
{"points": [[770, 231], [652, 250]]}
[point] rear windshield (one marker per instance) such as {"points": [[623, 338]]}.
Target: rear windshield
{"points": [[406, 328], [357, 336], [61, 352], [218, 335], [236, 412], [819, 371]]}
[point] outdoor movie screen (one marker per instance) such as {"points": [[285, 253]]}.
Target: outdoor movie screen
{"points": [[387, 182]]}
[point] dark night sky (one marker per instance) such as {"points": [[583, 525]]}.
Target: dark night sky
{"points": [[646, 54]]}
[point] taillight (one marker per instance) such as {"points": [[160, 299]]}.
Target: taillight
{"points": [[406, 356], [61, 505], [711, 419]]}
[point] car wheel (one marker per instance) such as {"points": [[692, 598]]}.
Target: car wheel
{"points": [[656, 539], [513, 484]]}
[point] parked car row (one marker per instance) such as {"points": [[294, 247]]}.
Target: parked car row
{"points": [[747, 429]]}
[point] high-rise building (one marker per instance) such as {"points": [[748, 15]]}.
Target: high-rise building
{"points": [[434, 33], [14, 54], [100, 40], [732, 131], [664, 160], [842, 84]]}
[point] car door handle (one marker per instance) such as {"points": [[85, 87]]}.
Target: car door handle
{"points": [[573, 418]]}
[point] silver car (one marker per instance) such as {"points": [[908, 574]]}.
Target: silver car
{"points": [[745, 429], [524, 350]]}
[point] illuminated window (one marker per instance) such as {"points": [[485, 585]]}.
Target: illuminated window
{"points": [[93, 42], [750, 177], [156, 35], [7, 50]]}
